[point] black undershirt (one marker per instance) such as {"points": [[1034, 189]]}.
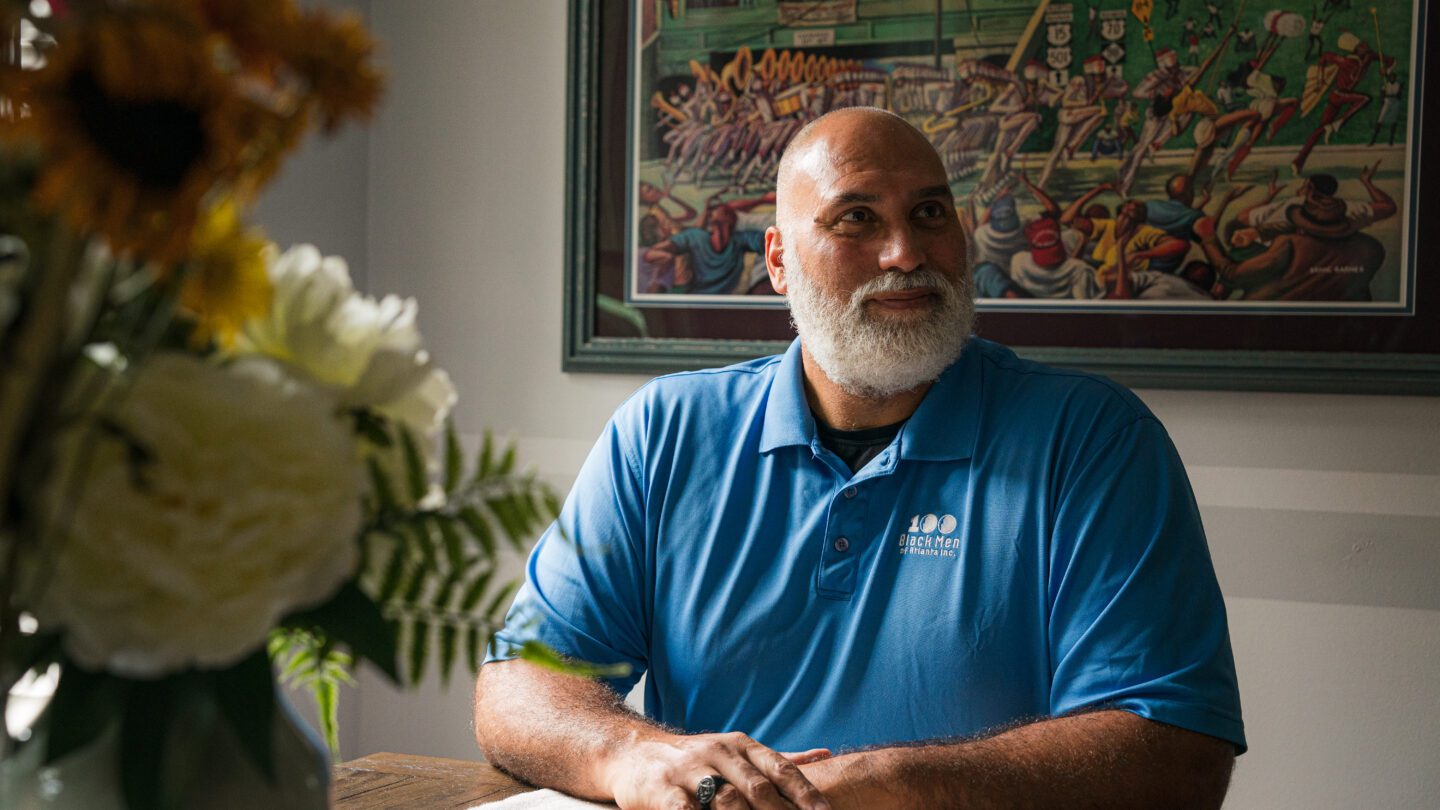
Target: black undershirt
{"points": [[857, 447]]}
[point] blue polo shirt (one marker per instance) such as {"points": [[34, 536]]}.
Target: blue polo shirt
{"points": [[1028, 546]]}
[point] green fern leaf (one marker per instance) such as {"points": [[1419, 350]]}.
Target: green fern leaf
{"points": [[419, 649], [415, 476], [454, 461], [501, 600], [476, 591], [454, 544], [380, 485], [486, 463], [447, 652], [479, 529], [507, 462], [541, 655]]}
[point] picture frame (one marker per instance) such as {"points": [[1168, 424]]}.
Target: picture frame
{"points": [[1393, 347]]}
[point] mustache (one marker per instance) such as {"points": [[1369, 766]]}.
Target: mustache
{"points": [[899, 282]]}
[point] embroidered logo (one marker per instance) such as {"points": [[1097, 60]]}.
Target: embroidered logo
{"points": [[930, 536]]}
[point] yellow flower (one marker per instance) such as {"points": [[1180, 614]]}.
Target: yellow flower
{"points": [[226, 281]]}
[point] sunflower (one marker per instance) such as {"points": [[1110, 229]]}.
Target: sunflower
{"points": [[137, 125], [226, 279], [333, 54]]}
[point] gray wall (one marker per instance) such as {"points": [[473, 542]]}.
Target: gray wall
{"points": [[1323, 511]]}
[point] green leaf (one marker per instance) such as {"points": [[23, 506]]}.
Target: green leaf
{"points": [[246, 695], [542, 655], [454, 544], [507, 463], [327, 705], [354, 620], [143, 731], [472, 648], [454, 463], [480, 529], [83, 705], [372, 427], [500, 600], [414, 465], [380, 484], [424, 541], [440, 602], [447, 652], [419, 649], [395, 569], [509, 516], [418, 578], [487, 457], [476, 591], [302, 663]]}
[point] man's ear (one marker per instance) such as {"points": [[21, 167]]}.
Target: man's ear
{"points": [[775, 259]]}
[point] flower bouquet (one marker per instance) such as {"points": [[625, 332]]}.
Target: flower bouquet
{"points": [[220, 464]]}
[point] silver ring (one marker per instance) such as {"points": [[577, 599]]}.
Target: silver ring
{"points": [[706, 790]]}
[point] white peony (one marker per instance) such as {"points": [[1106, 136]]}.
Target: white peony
{"points": [[235, 500], [368, 351]]}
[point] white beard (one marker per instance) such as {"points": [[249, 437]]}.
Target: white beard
{"points": [[873, 356]]}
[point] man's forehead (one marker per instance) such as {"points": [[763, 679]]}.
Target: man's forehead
{"points": [[849, 167]]}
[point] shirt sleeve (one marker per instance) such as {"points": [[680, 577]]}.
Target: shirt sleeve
{"points": [[1137, 621], [584, 589]]}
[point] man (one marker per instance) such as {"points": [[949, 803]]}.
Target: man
{"points": [[1392, 105], [891, 536], [1323, 258], [1081, 113], [1148, 247], [1272, 217], [1047, 270], [717, 251], [1175, 215], [1345, 99], [1160, 87], [999, 236]]}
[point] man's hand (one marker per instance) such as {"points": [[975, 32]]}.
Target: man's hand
{"points": [[1367, 173], [662, 771]]}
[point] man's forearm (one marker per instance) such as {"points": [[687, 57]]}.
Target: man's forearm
{"points": [[550, 729], [1110, 759], [574, 735]]}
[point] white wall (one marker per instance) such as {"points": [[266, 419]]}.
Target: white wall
{"points": [[1323, 511]]}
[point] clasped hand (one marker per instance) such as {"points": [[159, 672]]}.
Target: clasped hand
{"points": [[661, 773]]}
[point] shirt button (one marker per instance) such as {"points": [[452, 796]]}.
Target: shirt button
{"points": [[850, 492], [842, 545]]}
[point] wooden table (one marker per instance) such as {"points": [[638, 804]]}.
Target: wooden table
{"points": [[402, 781]]}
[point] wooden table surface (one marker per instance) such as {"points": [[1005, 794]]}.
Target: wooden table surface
{"points": [[394, 781]]}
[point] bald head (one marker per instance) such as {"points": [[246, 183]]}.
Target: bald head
{"points": [[840, 140]]}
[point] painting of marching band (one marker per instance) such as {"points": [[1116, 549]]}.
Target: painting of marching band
{"points": [[1186, 155]]}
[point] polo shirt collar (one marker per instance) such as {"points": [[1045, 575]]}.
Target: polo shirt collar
{"points": [[942, 428], [788, 420]]}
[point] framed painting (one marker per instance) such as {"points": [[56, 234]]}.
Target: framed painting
{"points": [[1195, 194]]}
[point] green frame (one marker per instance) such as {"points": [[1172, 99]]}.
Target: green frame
{"points": [[1245, 370]]}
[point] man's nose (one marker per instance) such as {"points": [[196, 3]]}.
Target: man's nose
{"points": [[902, 249]]}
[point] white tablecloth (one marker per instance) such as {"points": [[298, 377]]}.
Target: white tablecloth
{"points": [[544, 800]]}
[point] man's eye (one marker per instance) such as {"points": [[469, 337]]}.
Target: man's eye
{"points": [[930, 210], [856, 215]]}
